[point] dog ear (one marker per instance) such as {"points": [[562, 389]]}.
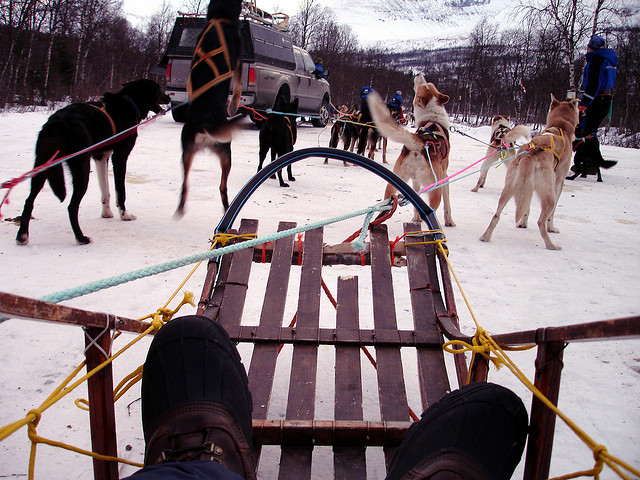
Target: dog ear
{"points": [[554, 100], [442, 98]]}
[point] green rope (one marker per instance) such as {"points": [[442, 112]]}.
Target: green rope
{"points": [[181, 262]]}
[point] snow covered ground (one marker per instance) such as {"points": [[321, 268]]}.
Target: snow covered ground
{"points": [[513, 283]]}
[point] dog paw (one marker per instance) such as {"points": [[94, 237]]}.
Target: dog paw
{"points": [[83, 240], [106, 212], [284, 184], [292, 179], [485, 238], [126, 216], [22, 239]]}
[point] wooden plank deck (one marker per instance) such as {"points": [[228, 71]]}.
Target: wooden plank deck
{"points": [[350, 432]]}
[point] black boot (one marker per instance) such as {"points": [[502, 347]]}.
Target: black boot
{"points": [[196, 403], [475, 433]]}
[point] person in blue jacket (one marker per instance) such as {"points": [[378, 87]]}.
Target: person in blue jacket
{"points": [[395, 105], [597, 84]]}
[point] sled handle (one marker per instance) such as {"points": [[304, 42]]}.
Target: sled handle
{"points": [[426, 212]]}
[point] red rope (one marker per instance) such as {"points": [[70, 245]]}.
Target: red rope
{"points": [[377, 221], [10, 184]]}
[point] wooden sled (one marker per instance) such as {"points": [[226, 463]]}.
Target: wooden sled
{"points": [[349, 439]]}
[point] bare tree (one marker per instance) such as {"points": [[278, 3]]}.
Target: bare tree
{"points": [[305, 23], [571, 22], [198, 7]]}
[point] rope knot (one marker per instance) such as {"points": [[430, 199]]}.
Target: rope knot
{"points": [[599, 452]]}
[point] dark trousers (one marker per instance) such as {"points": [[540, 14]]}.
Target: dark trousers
{"points": [[588, 150]]}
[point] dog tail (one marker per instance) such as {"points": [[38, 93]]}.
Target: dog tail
{"points": [[517, 132], [608, 163], [387, 126], [524, 184], [51, 141]]}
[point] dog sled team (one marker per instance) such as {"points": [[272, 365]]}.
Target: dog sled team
{"points": [[540, 165]]}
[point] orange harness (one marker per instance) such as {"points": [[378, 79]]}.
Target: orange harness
{"points": [[200, 56], [103, 109]]}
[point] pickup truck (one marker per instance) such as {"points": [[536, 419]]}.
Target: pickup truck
{"points": [[273, 70]]}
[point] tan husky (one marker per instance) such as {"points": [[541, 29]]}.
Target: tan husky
{"points": [[502, 136], [426, 152], [541, 167]]}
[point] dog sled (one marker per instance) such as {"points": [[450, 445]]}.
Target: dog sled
{"points": [[401, 371]]}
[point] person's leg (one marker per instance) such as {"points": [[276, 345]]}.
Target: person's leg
{"points": [[475, 433], [196, 404]]}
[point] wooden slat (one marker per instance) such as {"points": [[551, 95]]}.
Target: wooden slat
{"points": [[434, 382], [263, 360], [340, 254], [448, 309], [349, 462], [391, 387], [238, 279], [25, 308], [211, 301], [295, 462]]}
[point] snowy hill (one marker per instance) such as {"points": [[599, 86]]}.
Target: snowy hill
{"points": [[401, 25]]}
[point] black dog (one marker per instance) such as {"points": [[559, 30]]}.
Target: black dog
{"points": [[279, 133], [368, 134], [588, 159], [79, 126], [207, 124]]}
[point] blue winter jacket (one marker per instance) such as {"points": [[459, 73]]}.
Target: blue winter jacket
{"points": [[599, 73]]}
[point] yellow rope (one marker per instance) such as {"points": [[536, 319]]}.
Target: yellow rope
{"points": [[159, 318], [483, 344]]}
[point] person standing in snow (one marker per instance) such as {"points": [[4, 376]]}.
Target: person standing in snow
{"points": [[597, 83], [395, 105]]}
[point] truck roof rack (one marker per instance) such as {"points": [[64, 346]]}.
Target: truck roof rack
{"points": [[252, 12]]}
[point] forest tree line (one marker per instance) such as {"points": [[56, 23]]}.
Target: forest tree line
{"points": [[70, 50]]}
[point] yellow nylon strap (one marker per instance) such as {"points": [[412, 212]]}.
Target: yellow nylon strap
{"points": [[483, 344], [551, 149]]}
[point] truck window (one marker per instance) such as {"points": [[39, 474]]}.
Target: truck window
{"points": [[189, 37], [299, 59], [309, 66]]}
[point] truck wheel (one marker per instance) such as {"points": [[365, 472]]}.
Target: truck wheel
{"points": [[323, 115], [179, 113], [281, 99]]}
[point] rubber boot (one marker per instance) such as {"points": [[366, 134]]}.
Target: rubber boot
{"points": [[196, 403], [475, 433]]}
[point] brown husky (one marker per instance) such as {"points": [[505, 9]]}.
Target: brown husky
{"points": [[502, 136], [541, 167], [425, 152]]}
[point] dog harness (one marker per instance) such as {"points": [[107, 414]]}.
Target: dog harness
{"points": [[435, 138], [550, 133], [221, 70], [499, 133], [103, 109]]}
